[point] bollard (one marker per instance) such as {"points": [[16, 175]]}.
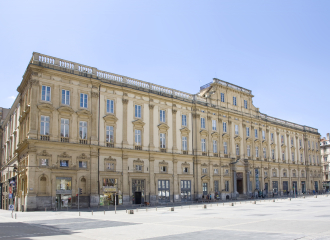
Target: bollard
{"points": [[232, 204], [146, 209], [156, 208], [131, 211], [290, 199], [79, 214], [15, 216], [45, 209], [104, 212], [255, 202], [223, 204], [172, 209], [137, 210], [217, 204], [126, 210], [205, 206], [92, 212]]}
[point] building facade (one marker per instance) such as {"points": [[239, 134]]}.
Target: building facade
{"points": [[325, 152], [75, 127]]}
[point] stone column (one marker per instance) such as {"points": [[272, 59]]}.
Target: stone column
{"points": [[175, 182], [289, 148], [248, 187], [126, 199], [152, 194], [33, 131], [278, 146], [231, 144], [209, 143], [198, 180], [151, 126], [94, 118], [94, 196], [125, 102], [220, 131], [280, 187], [234, 182], [32, 185], [174, 130], [197, 138]]}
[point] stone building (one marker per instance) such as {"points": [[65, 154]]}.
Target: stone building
{"points": [[75, 127], [325, 152]]}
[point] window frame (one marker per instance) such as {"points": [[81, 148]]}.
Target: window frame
{"points": [[66, 97], [83, 100], [45, 96]]}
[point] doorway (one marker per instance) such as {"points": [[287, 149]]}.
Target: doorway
{"points": [[266, 188], [205, 189], [63, 200], [138, 197], [240, 186]]}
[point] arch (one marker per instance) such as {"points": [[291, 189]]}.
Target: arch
{"points": [[82, 185], [42, 184]]}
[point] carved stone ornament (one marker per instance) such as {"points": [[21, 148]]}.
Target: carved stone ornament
{"points": [[225, 136], [138, 161], [83, 156], [264, 143], [64, 155], [110, 118], [125, 100], [174, 111], [84, 112], [65, 109], [45, 107], [272, 145], [163, 162], [249, 140], [185, 131], [204, 132], [257, 141], [138, 123], [226, 165], [44, 153], [34, 82], [237, 139], [204, 165], [95, 95], [215, 165], [163, 127], [214, 135], [185, 164], [111, 159], [151, 106]]}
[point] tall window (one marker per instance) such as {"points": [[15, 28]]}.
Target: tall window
{"points": [[237, 150], [236, 129], [309, 144], [273, 154], [162, 140], [83, 100], [227, 186], [282, 139], [256, 133], [299, 142], [138, 137], [215, 146], [83, 130], [234, 101], [203, 145], [248, 150], [45, 93], [264, 152], [109, 134], [292, 156], [292, 141], [263, 135], [44, 125], [65, 97], [214, 125], [272, 137], [313, 159], [64, 127], [283, 156], [222, 97], [225, 150], [310, 159], [137, 111], [202, 122], [184, 120], [245, 104], [184, 143], [110, 106], [224, 126], [248, 132], [257, 151], [162, 115], [301, 157]]}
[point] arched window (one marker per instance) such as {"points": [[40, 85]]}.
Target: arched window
{"points": [[42, 184]]}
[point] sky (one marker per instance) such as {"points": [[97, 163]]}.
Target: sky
{"points": [[278, 49]]}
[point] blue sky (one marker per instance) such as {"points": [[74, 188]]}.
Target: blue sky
{"points": [[278, 49]]}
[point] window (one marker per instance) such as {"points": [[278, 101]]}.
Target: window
{"points": [[202, 122], [109, 134], [137, 111], [45, 93], [109, 182], [266, 173], [138, 137], [222, 97], [63, 183], [64, 163], [263, 135], [227, 186], [273, 154], [294, 174], [248, 150], [110, 106], [282, 139], [248, 132], [313, 144], [215, 146], [224, 126], [65, 97], [299, 142], [284, 174], [313, 159], [301, 157], [236, 129], [44, 162], [82, 164], [162, 140], [245, 104], [138, 167], [309, 144], [163, 169], [292, 156], [83, 130], [216, 171], [185, 169], [44, 125], [234, 101], [204, 170], [162, 115], [64, 127], [110, 166], [257, 151], [256, 133], [225, 148], [272, 137], [184, 120], [203, 145], [291, 141], [274, 174], [317, 159], [264, 152], [83, 100], [214, 125], [184, 143], [237, 150], [310, 159], [283, 156]]}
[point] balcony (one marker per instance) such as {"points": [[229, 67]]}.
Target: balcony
{"points": [[110, 145], [185, 152], [204, 154], [82, 141], [215, 155], [44, 137], [163, 150], [226, 156], [65, 139], [138, 147]]}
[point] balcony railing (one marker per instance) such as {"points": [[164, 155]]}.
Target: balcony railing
{"points": [[163, 150], [185, 152], [64, 139], [110, 145], [44, 137], [83, 141], [215, 155], [204, 154], [138, 147]]}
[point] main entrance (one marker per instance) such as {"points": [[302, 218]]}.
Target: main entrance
{"points": [[239, 179], [138, 191], [285, 187]]}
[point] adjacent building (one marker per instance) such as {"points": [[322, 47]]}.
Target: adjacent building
{"points": [[76, 127], [325, 151]]}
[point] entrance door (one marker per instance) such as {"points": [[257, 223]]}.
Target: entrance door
{"points": [[205, 189], [240, 186], [137, 186], [285, 187], [137, 197], [294, 187], [275, 187], [58, 201], [266, 188], [316, 187], [303, 187]]}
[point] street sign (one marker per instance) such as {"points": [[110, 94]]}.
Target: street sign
{"points": [[10, 196], [11, 207], [10, 190]]}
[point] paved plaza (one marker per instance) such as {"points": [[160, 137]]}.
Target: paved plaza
{"points": [[300, 218]]}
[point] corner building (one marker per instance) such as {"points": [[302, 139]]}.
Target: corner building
{"points": [[73, 126]]}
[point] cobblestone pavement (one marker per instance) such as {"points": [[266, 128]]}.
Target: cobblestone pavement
{"points": [[300, 218]]}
